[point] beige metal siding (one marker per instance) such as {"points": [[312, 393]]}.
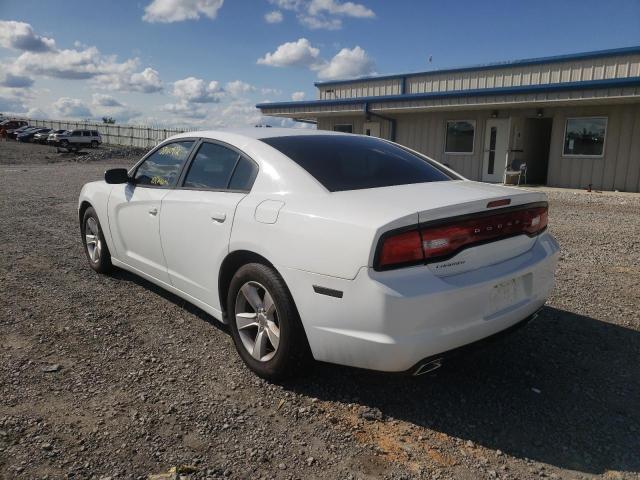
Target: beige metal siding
{"points": [[617, 169], [369, 88], [620, 66], [426, 134]]}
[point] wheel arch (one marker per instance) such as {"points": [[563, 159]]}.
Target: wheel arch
{"points": [[230, 265], [84, 205]]}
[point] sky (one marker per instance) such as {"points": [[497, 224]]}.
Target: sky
{"points": [[206, 63]]}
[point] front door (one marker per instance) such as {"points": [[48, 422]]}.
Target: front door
{"points": [[134, 209], [496, 143]]}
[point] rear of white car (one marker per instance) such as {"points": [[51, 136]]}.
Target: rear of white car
{"points": [[444, 264]]}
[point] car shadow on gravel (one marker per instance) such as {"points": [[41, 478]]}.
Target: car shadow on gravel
{"points": [[564, 391], [123, 275]]}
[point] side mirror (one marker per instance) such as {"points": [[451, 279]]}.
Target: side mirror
{"points": [[117, 175]]}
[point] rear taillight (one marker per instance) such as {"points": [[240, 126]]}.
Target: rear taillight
{"points": [[401, 249], [439, 240]]}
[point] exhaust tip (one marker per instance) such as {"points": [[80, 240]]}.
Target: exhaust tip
{"points": [[429, 366]]}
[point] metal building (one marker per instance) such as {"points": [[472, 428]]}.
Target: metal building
{"points": [[573, 120]]}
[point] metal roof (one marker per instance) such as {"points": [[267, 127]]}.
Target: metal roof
{"points": [[591, 84], [512, 63]]}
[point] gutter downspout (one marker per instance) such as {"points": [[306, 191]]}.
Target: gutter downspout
{"points": [[392, 121]]}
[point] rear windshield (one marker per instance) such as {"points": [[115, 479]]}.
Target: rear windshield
{"points": [[353, 162]]}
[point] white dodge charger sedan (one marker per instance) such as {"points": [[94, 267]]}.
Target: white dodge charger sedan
{"points": [[320, 245]]}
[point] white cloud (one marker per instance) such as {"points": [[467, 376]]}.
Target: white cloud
{"points": [[168, 11], [147, 81], [347, 64], [102, 100], [273, 17], [20, 36], [324, 14], [270, 91], [107, 106], [320, 23], [238, 88], [35, 112], [348, 9], [196, 90], [185, 110], [299, 53], [66, 107], [79, 63], [297, 96]]}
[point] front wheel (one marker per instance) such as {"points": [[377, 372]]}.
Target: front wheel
{"points": [[94, 144], [95, 246], [64, 143], [265, 324]]}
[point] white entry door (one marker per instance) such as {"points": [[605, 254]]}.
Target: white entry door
{"points": [[372, 129], [496, 143]]}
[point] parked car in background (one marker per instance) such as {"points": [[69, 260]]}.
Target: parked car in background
{"points": [[42, 136], [20, 131], [346, 248], [28, 135], [89, 138], [12, 125], [54, 135]]}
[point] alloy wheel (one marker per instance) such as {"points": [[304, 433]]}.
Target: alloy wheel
{"points": [[92, 239], [257, 321]]}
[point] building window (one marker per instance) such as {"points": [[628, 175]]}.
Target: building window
{"points": [[585, 136], [460, 135], [343, 127]]}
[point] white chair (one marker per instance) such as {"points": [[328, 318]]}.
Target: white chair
{"points": [[517, 168]]}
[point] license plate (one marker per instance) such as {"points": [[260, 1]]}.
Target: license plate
{"points": [[507, 294]]}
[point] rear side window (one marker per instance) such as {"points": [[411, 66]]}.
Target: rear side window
{"points": [[212, 167], [244, 175], [94, 133], [354, 162], [86, 133], [162, 167]]}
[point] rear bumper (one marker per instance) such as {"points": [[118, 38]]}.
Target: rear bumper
{"points": [[391, 321]]}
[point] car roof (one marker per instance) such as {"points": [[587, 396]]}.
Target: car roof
{"points": [[257, 133]]}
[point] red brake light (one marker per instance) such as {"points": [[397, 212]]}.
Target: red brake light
{"points": [[445, 238], [400, 249]]}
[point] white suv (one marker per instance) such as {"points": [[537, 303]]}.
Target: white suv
{"points": [[77, 138]]}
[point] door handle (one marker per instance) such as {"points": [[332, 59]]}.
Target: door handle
{"points": [[153, 211], [219, 217]]}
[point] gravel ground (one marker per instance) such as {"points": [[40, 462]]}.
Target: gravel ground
{"points": [[108, 376]]}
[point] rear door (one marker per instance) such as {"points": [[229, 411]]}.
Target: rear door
{"points": [[197, 216], [135, 208]]}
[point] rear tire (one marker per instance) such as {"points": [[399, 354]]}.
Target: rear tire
{"points": [[265, 324], [94, 144], [95, 247]]}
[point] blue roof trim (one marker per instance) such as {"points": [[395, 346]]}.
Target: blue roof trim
{"points": [[553, 87], [492, 66]]}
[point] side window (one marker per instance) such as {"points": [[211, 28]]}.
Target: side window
{"points": [[244, 175], [211, 167], [94, 133], [86, 133], [162, 168]]}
